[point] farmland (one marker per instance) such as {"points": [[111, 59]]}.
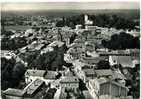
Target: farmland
{"points": [[17, 27]]}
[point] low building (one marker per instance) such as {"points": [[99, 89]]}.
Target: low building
{"points": [[46, 76], [34, 90], [112, 75], [11, 93], [89, 73], [112, 88], [70, 83], [125, 61], [78, 27], [91, 60]]}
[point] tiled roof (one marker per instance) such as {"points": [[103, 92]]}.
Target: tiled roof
{"points": [[31, 72], [56, 43], [14, 92], [91, 60], [104, 72], [123, 60], [103, 80], [117, 75], [89, 71], [50, 75], [33, 86], [69, 80], [108, 72]]}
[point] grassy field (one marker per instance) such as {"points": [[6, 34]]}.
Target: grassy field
{"points": [[21, 28]]}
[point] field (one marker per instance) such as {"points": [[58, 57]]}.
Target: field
{"points": [[22, 28]]}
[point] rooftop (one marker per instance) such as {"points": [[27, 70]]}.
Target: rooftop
{"points": [[14, 92], [50, 75], [123, 60], [70, 79], [31, 72], [56, 43], [109, 72], [104, 72], [33, 86], [89, 71]]}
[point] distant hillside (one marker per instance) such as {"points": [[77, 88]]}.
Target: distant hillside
{"points": [[131, 13]]}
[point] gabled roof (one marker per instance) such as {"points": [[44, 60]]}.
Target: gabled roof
{"points": [[40, 73], [30, 90], [104, 72], [67, 79], [89, 71], [109, 72], [117, 75], [91, 60], [103, 81], [56, 43], [14, 92], [50, 75]]}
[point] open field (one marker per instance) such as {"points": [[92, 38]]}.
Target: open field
{"points": [[18, 27]]}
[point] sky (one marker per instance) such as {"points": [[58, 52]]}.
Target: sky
{"points": [[68, 6]]}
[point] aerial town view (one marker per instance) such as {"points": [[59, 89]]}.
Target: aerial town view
{"points": [[69, 50]]}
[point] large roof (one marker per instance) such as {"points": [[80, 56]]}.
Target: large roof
{"points": [[89, 71], [33, 86], [14, 92], [50, 75], [40, 73], [69, 79], [92, 60], [125, 61], [103, 81], [56, 43], [109, 72], [104, 72]]}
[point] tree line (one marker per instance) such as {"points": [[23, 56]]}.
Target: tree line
{"points": [[122, 41], [102, 20]]}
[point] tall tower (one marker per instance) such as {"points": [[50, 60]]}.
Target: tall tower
{"points": [[59, 35], [87, 21], [86, 18]]}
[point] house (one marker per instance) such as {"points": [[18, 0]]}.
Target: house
{"points": [[11, 93], [33, 90], [78, 26], [71, 82], [51, 75], [103, 86], [112, 88], [68, 84], [31, 75], [125, 61], [6, 54], [91, 60], [87, 95], [104, 73], [46, 76], [112, 75], [89, 73]]}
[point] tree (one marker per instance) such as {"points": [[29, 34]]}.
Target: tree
{"points": [[103, 65], [18, 71], [122, 41]]}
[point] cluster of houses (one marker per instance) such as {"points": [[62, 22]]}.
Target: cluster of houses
{"points": [[84, 53]]}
